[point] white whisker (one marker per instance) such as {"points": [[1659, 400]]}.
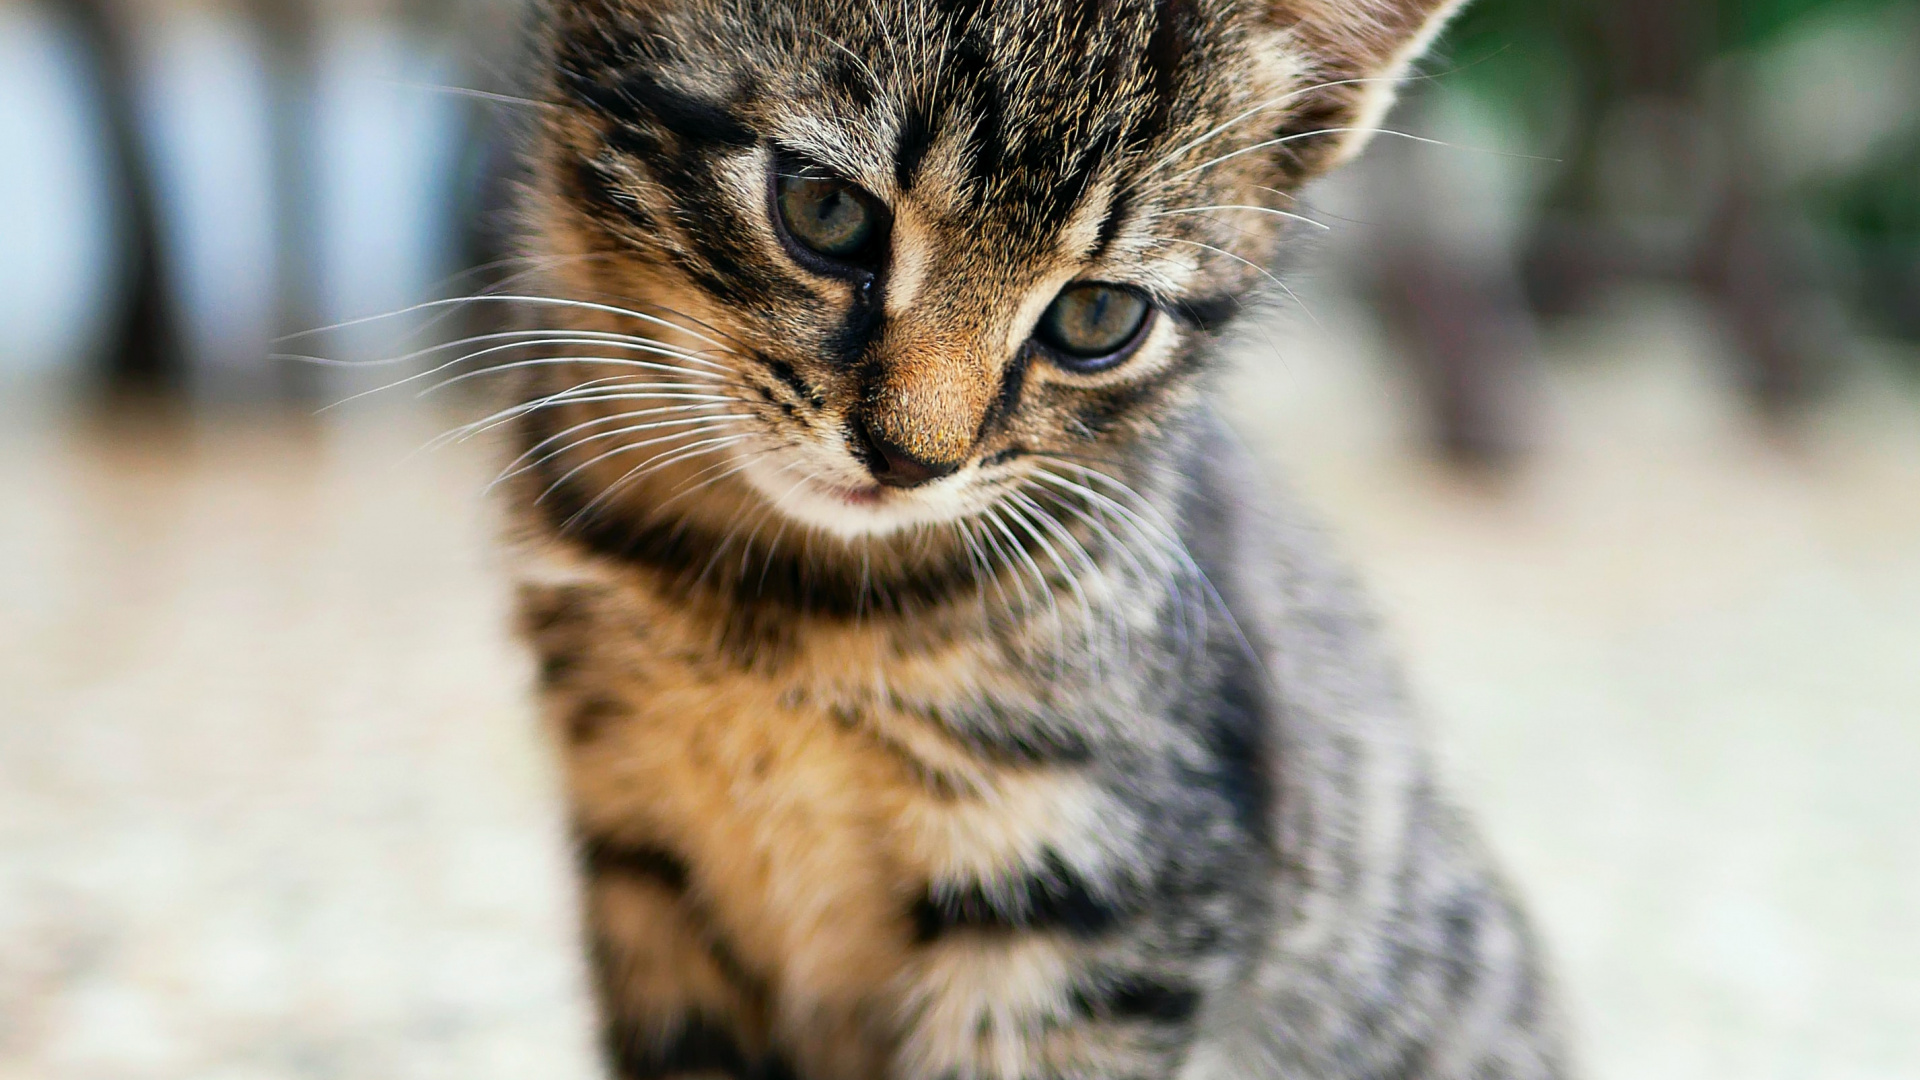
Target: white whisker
{"points": [[1297, 136], [1218, 129], [1263, 271], [469, 92], [871, 77], [1033, 568], [1236, 206], [608, 418], [1175, 562], [1031, 513], [708, 383], [522, 465], [554, 301], [569, 397], [651, 465], [579, 392]]}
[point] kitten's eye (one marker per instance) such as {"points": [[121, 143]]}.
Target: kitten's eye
{"points": [[828, 216], [1090, 326]]}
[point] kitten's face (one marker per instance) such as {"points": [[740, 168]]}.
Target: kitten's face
{"points": [[938, 247]]}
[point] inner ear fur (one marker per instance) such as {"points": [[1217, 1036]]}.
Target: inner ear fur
{"points": [[1352, 55]]}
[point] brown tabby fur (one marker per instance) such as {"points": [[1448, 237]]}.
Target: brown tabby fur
{"points": [[1075, 763]]}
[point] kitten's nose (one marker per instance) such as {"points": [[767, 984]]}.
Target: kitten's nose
{"points": [[895, 466]]}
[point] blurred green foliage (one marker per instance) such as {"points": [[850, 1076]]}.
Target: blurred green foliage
{"points": [[1876, 211], [1515, 49], [1551, 69], [1881, 202], [1490, 25]]}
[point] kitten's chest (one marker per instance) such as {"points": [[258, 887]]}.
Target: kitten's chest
{"points": [[789, 820], [805, 834], [802, 818]]}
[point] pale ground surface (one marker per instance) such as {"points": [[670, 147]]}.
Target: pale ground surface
{"points": [[272, 804]]}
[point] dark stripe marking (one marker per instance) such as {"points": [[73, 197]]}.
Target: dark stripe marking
{"points": [[1056, 898], [600, 190], [556, 664], [1207, 314], [1460, 926], [785, 373], [1015, 737], [1137, 997], [1103, 409], [917, 134], [1166, 50], [1012, 381], [640, 95], [701, 1045], [1110, 225], [549, 608], [1236, 734], [588, 718], [605, 855]]}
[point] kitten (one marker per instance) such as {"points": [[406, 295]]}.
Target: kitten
{"points": [[940, 694]]}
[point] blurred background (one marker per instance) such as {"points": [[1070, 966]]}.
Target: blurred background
{"points": [[1609, 382]]}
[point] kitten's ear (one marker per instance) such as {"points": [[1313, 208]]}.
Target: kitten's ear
{"points": [[1352, 55]]}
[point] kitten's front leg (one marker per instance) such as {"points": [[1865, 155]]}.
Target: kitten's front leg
{"points": [[672, 1002], [1068, 989], [672, 1005]]}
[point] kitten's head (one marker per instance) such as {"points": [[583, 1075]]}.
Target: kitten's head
{"points": [[908, 252]]}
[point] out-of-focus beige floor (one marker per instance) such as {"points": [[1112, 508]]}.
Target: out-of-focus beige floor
{"points": [[272, 804]]}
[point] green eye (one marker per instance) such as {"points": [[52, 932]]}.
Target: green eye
{"points": [[1088, 324], [827, 216]]}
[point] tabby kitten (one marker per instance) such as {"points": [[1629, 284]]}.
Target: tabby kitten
{"points": [[939, 697]]}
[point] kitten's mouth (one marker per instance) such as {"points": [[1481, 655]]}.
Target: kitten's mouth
{"points": [[864, 495], [846, 507]]}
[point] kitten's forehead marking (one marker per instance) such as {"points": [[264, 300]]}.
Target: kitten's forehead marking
{"points": [[914, 251], [933, 194], [940, 192]]}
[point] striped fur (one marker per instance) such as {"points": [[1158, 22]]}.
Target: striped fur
{"points": [[1077, 762]]}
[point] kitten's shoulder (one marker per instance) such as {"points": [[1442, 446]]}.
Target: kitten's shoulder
{"points": [[1395, 939], [1279, 571]]}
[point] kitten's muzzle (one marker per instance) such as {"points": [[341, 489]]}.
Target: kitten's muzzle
{"points": [[921, 411]]}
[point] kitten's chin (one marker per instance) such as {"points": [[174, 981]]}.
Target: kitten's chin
{"points": [[866, 510]]}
